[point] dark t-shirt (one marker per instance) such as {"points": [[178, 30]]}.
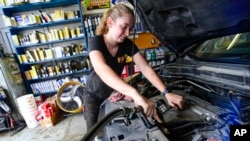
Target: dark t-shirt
{"points": [[95, 86]]}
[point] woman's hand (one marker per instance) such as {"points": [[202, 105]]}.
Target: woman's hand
{"points": [[175, 100], [149, 108]]}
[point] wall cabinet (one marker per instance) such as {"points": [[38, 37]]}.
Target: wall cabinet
{"points": [[50, 43]]}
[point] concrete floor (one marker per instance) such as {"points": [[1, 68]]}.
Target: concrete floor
{"points": [[70, 128]]}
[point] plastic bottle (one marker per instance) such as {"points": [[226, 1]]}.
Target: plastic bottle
{"points": [[148, 55], [153, 54]]}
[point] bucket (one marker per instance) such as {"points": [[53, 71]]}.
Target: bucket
{"points": [[28, 109], [25, 99], [31, 121]]}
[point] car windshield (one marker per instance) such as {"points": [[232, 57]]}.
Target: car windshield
{"points": [[228, 48]]}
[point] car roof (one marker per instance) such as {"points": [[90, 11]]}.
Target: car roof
{"points": [[179, 24]]}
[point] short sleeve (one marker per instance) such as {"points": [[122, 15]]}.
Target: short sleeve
{"points": [[96, 43]]}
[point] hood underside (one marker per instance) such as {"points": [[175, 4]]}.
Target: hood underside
{"points": [[178, 23]]}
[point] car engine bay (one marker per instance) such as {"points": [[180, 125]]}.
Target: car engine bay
{"points": [[210, 106]]}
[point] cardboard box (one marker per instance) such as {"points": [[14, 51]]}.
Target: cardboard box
{"points": [[53, 120], [55, 117]]}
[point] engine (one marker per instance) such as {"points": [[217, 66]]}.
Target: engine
{"points": [[209, 112]]}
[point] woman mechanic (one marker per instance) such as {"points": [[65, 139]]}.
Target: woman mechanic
{"points": [[107, 53]]}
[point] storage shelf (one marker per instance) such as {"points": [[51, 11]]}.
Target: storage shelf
{"points": [[58, 76], [36, 6], [57, 59], [52, 42], [29, 53], [54, 23], [45, 93]]}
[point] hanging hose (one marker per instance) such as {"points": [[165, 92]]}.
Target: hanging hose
{"points": [[230, 96], [108, 118]]}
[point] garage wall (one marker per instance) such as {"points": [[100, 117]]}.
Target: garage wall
{"points": [[4, 37]]}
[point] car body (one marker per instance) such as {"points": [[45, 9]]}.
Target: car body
{"points": [[208, 64]]}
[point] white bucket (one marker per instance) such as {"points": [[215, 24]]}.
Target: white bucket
{"points": [[33, 113], [31, 121], [28, 98], [28, 108]]}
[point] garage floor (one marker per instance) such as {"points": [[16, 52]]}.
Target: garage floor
{"points": [[70, 128]]}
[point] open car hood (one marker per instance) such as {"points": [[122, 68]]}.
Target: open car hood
{"points": [[178, 24]]}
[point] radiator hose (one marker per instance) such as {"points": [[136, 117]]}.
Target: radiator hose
{"points": [[122, 111]]}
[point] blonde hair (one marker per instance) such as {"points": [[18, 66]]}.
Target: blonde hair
{"points": [[114, 12]]}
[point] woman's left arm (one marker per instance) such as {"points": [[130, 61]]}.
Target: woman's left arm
{"points": [[174, 100]]}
